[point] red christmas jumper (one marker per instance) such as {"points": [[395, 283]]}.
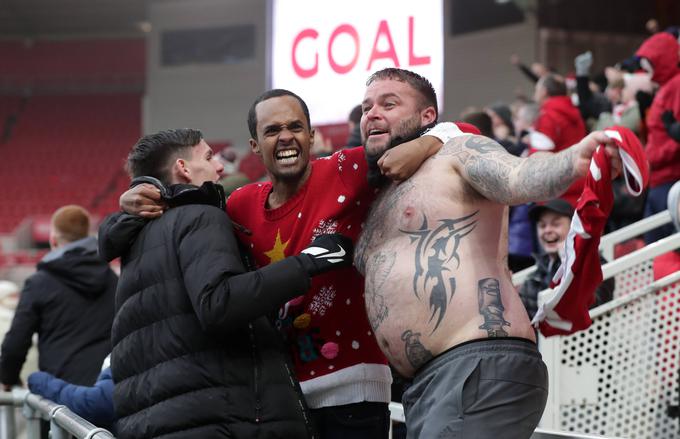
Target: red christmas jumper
{"points": [[336, 357]]}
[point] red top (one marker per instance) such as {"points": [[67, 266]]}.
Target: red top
{"points": [[327, 328], [560, 124]]}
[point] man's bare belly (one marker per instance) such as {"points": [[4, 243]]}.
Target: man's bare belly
{"points": [[436, 276]]}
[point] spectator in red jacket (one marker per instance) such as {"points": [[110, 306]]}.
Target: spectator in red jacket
{"points": [[659, 55], [558, 125]]}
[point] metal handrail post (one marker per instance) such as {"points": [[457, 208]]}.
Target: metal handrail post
{"points": [[56, 430], [8, 428], [33, 419]]}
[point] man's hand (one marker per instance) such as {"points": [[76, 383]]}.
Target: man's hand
{"points": [[143, 200], [586, 148], [402, 161], [327, 252]]}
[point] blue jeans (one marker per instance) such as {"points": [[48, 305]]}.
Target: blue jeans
{"points": [[362, 420], [657, 200]]}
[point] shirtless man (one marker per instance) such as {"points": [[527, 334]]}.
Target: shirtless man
{"points": [[438, 292]]}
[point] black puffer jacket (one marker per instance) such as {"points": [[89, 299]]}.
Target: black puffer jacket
{"points": [[69, 303], [539, 280], [193, 355]]}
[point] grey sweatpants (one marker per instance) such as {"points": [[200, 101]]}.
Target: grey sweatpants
{"points": [[485, 389]]}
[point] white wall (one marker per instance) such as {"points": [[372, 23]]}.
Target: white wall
{"points": [[216, 99], [477, 66]]}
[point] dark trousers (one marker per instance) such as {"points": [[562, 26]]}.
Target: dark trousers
{"points": [[657, 202], [363, 420]]}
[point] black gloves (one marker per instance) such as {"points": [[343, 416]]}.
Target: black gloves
{"points": [[671, 124], [667, 118], [325, 253]]}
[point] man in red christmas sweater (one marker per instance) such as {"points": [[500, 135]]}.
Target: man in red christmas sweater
{"points": [[342, 372]]}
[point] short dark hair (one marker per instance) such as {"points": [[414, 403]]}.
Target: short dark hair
{"points": [[355, 114], [554, 85], [275, 93], [153, 154], [482, 121], [419, 83]]}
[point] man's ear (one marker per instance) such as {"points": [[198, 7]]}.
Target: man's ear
{"points": [[53, 240], [180, 171], [428, 116], [254, 146], [312, 132]]}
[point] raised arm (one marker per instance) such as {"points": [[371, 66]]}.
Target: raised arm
{"points": [[506, 179]]}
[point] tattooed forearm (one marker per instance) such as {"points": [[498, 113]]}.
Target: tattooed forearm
{"points": [[501, 177], [491, 307], [416, 353], [380, 268], [546, 176], [435, 249]]}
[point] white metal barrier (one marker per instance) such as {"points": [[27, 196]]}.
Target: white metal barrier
{"points": [[621, 376], [63, 422]]}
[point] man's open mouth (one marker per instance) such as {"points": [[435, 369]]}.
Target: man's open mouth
{"points": [[287, 156]]}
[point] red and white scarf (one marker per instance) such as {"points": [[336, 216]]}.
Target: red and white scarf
{"points": [[564, 310]]}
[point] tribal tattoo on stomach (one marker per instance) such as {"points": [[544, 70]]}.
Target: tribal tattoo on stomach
{"points": [[435, 248]]}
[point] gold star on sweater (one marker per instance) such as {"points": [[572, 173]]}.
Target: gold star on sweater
{"points": [[277, 253]]}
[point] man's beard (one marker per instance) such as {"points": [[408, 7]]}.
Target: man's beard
{"points": [[375, 177]]}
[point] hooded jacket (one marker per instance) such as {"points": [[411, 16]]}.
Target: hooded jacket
{"points": [[662, 151], [194, 355], [69, 303], [558, 126]]}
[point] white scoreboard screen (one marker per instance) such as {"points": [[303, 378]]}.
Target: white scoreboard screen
{"points": [[324, 51]]}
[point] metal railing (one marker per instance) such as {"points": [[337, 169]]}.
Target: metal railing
{"points": [[63, 423]]}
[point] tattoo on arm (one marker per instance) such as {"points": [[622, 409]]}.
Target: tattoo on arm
{"points": [[381, 267], [546, 176], [504, 178], [416, 353], [435, 249], [491, 307]]}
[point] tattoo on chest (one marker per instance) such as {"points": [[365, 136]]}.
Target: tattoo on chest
{"points": [[381, 267], [416, 353], [435, 249], [381, 210], [491, 307]]}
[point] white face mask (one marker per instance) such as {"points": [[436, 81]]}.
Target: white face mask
{"points": [[647, 66]]}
